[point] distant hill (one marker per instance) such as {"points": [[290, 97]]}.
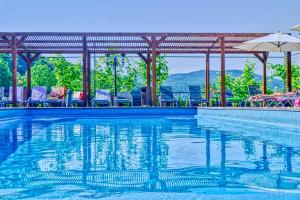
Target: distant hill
{"points": [[181, 81]]}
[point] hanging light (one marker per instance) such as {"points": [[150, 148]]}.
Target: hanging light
{"points": [[107, 59], [123, 59]]}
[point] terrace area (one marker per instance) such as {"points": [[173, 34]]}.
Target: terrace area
{"points": [[30, 45]]}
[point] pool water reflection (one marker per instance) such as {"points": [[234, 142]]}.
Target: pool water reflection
{"points": [[101, 157]]}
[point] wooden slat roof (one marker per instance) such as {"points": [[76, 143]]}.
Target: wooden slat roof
{"points": [[72, 42]]}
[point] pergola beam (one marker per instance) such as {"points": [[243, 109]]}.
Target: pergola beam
{"points": [[171, 51], [128, 47], [142, 57], [161, 40], [21, 40], [79, 42], [34, 57], [29, 56], [259, 57], [110, 34], [146, 40], [6, 40]]}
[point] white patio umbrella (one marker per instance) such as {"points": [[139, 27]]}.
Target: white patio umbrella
{"points": [[277, 42], [296, 28]]}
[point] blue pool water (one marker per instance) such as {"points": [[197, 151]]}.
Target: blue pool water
{"points": [[147, 157]]}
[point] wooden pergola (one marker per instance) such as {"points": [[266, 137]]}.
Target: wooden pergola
{"points": [[30, 45]]}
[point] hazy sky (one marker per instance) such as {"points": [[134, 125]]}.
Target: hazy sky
{"points": [[153, 16]]}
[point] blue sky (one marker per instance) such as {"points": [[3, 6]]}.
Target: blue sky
{"points": [[153, 16]]}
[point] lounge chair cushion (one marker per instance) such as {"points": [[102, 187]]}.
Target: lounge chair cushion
{"points": [[57, 93], [102, 95], [38, 93], [297, 103], [1, 93], [77, 96], [20, 94], [234, 99], [124, 95]]}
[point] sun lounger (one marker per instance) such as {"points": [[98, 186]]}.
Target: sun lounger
{"points": [[76, 98], [38, 96], [231, 99], [283, 99], [166, 96], [102, 97], [136, 97], [123, 98], [1, 96], [20, 96], [195, 96], [57, 96], [255, 96]]}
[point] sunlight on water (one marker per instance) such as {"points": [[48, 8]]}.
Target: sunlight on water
{"points": [[165, 157]]}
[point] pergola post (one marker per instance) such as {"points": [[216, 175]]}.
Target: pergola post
{"points": [[154, 70], [14, 70], [28, 69], [223, 88], [288, 62], [207, 77], [148, 78], [263, 59], [88, 77], [148, 75], [29, 59], [84, 67], [264, 73]]}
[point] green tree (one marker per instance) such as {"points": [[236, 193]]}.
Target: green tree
{"points": [[162, 70], [228, 82], [42, 74], [239, 86], [66, 73], [5, 73], [126, 73], [279, 71]]}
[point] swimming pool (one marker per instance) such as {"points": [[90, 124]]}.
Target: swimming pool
{"points": [[148, 154]]}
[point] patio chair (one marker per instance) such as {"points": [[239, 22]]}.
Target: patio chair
{"points": [[123, 98], [102, 97], [195, 96], [283, 100], [38, 96], [231, 99], [75, 98], [20, 96], [255, 95], [167, 96], [1, 96], [136, 97], [57, 96]]}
